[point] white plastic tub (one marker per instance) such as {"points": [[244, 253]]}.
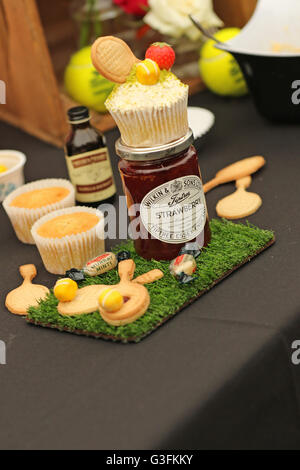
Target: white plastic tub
{"points": [[14, 176]]}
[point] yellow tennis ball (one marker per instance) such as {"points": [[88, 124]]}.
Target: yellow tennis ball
{"points": [[65, 289], [3, 168], [84, 84], [219, 69], [147, 72], [110, 299]]}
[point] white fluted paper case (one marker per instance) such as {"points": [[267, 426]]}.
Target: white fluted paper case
{"points": [[72, 251], [154, 126], [23, 219]]}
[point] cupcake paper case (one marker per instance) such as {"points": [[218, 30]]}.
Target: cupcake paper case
{"points": [[70, 251], [22, 219]]}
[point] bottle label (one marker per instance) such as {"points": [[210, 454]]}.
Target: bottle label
{"points": [[91, 174], [175, 212]]}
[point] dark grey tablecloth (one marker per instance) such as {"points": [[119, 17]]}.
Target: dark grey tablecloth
{"points": [[219, 375]]}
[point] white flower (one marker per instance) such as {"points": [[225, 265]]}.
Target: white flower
{"points": [[170, 17]]}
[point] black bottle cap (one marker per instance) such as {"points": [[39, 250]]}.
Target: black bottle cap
{"points": [[78, 113]]}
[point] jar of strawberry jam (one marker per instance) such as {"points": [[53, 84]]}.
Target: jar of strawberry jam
{"points": [[165, 199]]}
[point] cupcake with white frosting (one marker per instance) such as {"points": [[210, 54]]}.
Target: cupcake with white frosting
{"points": [[150, 115]]}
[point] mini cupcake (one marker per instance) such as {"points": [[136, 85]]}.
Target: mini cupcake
{"points": [[30, 202], [149, 116], [69, 238]]}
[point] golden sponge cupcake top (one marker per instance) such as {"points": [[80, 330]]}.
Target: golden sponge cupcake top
{"points": [[69, 238], [40, 197], [68, 224], [133, 95], [28, 203]]}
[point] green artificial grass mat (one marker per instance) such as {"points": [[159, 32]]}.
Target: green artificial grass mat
{"points": [[232, 245]]}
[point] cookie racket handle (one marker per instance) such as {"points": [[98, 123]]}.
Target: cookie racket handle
{"points": [[211, 184], [149, 277], [28, 272], [243, 183], [235, 171], [126, 269]]}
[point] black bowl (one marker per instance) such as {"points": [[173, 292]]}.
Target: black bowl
{"points": [[274, 82]]}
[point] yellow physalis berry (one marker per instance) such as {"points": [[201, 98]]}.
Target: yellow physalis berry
{"points": [[3, 168], [110, 299], [65, 289], [147, 72]]}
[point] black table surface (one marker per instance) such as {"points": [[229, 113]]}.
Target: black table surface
{"points": [[218, 375]]}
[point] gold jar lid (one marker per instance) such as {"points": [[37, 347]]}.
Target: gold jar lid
{"points": [[154, 153]]}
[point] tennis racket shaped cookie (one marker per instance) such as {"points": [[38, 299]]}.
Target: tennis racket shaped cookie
{"points": [[113, 58], [26, 295], [241, 203], [121, 303]]}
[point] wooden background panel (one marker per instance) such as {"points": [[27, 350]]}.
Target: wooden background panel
{"points": [[61, 32], [33, 100], [4, 62]]}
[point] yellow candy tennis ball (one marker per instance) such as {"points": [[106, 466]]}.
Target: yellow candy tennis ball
{"points": [[111, 299], [3, 168], [65, 289], [84, 84], [219, 70], [147, 72]]}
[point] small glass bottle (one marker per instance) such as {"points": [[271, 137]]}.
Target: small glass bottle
{"points": [[165, 198], [88, 160]]}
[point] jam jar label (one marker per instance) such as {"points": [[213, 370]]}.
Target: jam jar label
{"points": [[175, 212]]}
